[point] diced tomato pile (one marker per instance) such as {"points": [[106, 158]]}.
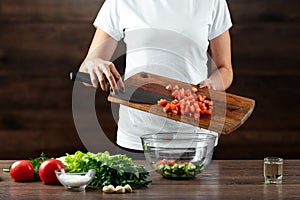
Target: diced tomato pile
{"points": [[186, 102]]}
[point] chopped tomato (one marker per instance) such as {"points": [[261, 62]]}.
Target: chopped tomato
{"points": [[208, 111], [196, 115], [162, 102], [175, 94], [188, 92], [182, 111], [194, 89], [169, 87], [173, 107], [167, 108], [182, 92], [200, 98], [192, 109], [184, 162], [175, 101], [166, 162], [187, 109], [172, 162]]}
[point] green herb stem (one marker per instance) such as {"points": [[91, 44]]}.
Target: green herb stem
{"points": [[6, 170]]}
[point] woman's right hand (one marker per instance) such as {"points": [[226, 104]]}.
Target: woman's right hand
{"points": [[102, 71]]}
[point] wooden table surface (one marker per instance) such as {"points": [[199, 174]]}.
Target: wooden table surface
{"points": [[223, 179]]}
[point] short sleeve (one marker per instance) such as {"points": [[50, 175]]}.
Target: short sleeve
{"points": [[221, 20], [108, 20]]}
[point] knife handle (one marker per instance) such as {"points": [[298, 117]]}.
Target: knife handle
{"points": [[80, 76], [84, 77]]}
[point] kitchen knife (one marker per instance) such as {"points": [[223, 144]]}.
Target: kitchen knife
{"points": [[132, 94]]}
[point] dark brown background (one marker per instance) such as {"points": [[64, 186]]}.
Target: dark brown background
{"points": [[41, 41]]}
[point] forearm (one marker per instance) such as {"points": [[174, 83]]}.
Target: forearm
{"points": [[102, 47], [221, 78], [97, 63], [221, 75]]}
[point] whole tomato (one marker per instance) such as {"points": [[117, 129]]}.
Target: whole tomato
{"points": [[22, 170], [47, 170]]}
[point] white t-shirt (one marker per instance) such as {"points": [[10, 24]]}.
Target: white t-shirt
{"points": [[164, 37]]}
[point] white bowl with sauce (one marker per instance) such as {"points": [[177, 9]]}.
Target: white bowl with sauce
{"points": [[75, 181]]}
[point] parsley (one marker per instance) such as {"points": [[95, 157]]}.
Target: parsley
{"points": [[36, 162]]}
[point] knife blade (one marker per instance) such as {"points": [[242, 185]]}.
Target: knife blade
{"points": [[131, 93]]}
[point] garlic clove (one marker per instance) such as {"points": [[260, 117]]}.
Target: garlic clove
{"points": [[109, 189], [128, 188], [120, 189]]}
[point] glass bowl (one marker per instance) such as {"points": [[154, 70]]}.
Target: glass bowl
{"points": [[75, 181], [178, 155]]}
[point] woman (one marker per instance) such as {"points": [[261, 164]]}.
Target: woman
{"points": [[167, 37]]}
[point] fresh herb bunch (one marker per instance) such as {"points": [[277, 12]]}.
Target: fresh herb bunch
{"points": [[110, 169], [36, 162]]}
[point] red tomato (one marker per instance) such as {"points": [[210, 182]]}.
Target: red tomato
{"points": [[47, 171], [22, 170]]}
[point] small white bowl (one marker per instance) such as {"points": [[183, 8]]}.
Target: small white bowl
{"points": [[75, 181]]}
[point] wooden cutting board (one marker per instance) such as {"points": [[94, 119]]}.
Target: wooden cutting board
{"points": [[229, 112]]}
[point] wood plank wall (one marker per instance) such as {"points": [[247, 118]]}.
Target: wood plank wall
{"points": [[42, 41], [265, 46]]}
